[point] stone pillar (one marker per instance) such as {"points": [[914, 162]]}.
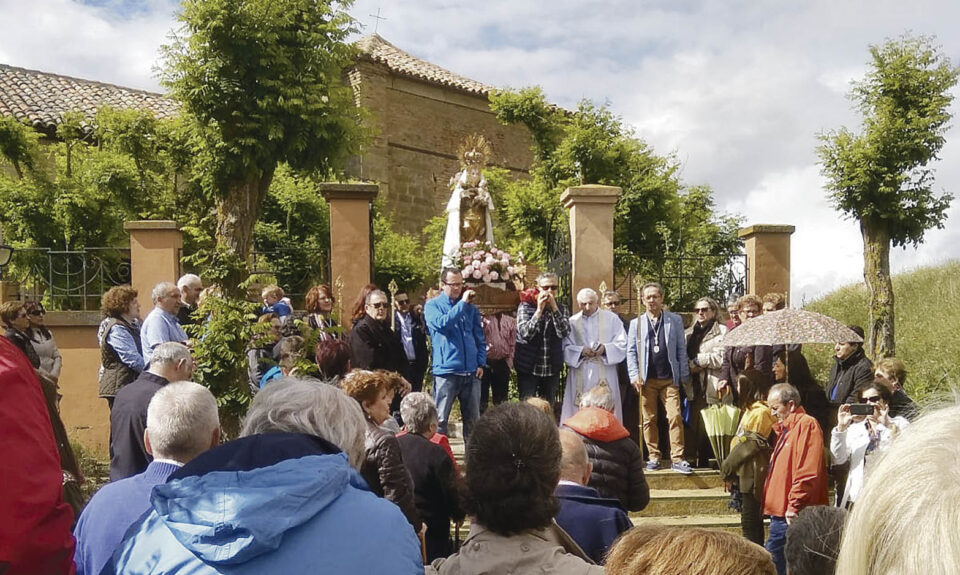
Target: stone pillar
{"points": [[351, 242], [591, 234], [154, 257], [768, 258]]}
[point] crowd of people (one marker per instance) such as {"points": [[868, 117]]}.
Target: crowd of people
{"points": [[352, 470]]}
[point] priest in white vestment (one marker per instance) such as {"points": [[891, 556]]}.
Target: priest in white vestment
{"points": [[595, 345]]}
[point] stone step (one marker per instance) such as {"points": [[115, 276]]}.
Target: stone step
{"points": [[686, 502], [664, 478], [729, 523]]}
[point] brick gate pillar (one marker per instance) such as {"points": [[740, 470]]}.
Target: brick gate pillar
{"points": [[591, 234], [768, 258], [351, 242], [154, 257]]}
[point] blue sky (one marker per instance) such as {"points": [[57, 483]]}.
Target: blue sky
{"points": [[738, 90]]}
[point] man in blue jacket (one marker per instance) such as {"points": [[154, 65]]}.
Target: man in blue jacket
{"points": [[284, 498], [459, 350], [657, 362]]}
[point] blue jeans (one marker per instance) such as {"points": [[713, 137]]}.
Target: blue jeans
{"points": [[448, 388], [776, 542]]}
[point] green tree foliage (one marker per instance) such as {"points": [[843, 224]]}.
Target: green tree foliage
{"points": [[78, 191], [657, 218], [881, 176], [261, 80], [398, 256]]}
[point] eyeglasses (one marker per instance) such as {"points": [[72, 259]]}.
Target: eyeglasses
{"points": [[701, 309], [453, 284], [37, 312], [553, 288], [871, 399], [378, 305]]}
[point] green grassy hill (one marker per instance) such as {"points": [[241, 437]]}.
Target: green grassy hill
{"points": [[927, 309]]}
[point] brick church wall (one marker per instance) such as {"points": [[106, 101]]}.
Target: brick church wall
{"points": [[417, 129]]}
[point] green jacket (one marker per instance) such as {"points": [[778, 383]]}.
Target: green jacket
{"points": [[748, 463]]}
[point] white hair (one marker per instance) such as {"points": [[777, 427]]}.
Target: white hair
{"points": [[170, 352], [160, 290], [295, 405], [598, 396], [418, 411], [587, 294], [905, 519], [785, 393], [188, 279], [181, 419]]}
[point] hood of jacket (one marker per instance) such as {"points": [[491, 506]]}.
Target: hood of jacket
{"points": [[597, 424], [237, 501]]}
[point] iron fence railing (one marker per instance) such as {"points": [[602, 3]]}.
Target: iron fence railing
{"points": [[685, 278], [68, 279]]}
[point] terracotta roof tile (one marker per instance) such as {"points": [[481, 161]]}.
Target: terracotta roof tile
{"points": [[41, 98], [376, 49]]}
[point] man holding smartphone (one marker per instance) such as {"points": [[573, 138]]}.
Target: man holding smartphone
{"points": [[459, 350], [541, 328]]}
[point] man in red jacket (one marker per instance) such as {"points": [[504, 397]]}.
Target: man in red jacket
{"points": [[35, 535], [798, 476]]}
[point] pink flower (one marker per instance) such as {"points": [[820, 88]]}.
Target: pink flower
{"points": [[467, 271], [510, 270], [476, 274], [494, 275], [484, 268], [486, 278]]}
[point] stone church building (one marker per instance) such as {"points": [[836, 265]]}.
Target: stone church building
{"points": [[418, 112]]}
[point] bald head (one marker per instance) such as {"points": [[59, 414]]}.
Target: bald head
{"points": [[575, 466]]}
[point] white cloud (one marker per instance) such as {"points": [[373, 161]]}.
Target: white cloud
{"points": [[738, 90]]}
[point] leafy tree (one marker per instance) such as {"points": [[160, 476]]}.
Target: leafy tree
{"points": [[398, 256], [657, 218], [881, 176], [261, 80]]}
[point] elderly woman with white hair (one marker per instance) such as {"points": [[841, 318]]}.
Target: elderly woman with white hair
{"points": [[432, 472], [595, 345], [284, 498], [905, 517], [617, 461]]}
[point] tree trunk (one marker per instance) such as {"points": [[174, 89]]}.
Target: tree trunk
{"points": [[876, 274], [237, 214]]}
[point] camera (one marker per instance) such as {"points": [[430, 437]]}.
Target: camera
{"points": [[861, 409]]}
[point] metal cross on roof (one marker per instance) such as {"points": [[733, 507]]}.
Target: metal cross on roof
{"points": [[378, 19]]}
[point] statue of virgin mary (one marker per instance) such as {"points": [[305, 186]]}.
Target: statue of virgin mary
{"points": [[470, 205]]}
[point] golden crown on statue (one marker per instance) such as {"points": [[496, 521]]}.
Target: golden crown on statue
{"points": [[474, 151]]}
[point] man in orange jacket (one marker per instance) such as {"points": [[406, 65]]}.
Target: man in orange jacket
{"points": [[798, 474]]}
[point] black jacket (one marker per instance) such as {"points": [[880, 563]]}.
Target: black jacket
{"points": [[846, 377], [22, 341], [385, 472], [128, 419], [434, 481], [526, 354], [419, 332], [617, 467], [374, 346]]}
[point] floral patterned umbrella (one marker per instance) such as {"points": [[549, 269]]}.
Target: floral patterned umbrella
{"points": [[790, 326]]}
